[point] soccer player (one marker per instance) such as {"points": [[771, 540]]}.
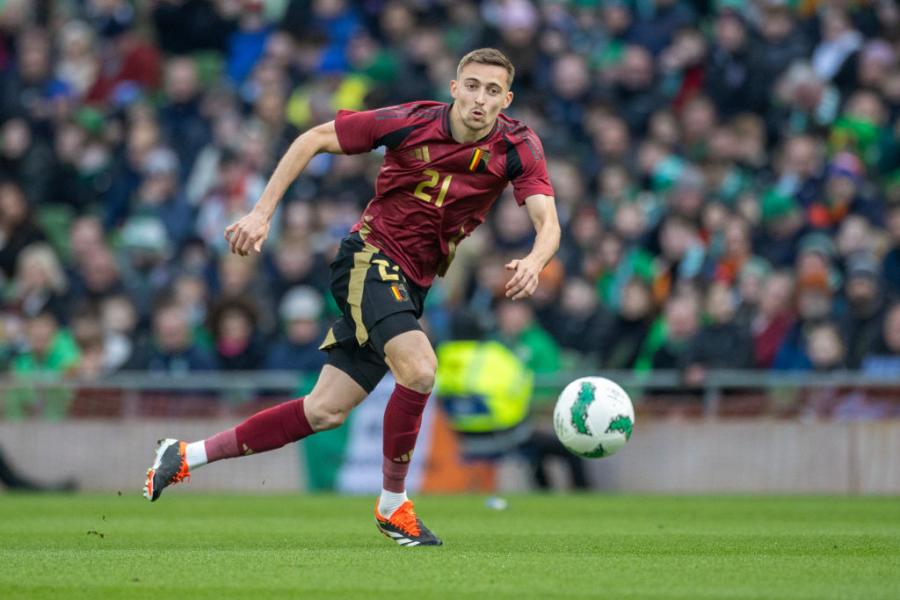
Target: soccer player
{"points": [[443, 168]]}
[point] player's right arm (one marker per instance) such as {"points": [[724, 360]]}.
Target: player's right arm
{"points": [[251, 230]]}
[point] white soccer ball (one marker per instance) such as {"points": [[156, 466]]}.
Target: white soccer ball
{"points": [[593, 417]]}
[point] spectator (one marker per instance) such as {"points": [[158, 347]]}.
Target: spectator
{"points": [[667, 345], [144, 268], [97, 353], [728, 76], [842, 195], [142, 138], [295, 263], [48, 354], [876, 60], [774, 319], [181, 121], [737, 251], [26, 159], [866, 306], [237, 343], [825, 348], [297, 349], [782, 227], [518, 330], [49, 348], [891, 263], [17, 226], [621, 344], [800, 167], [810, 103], [636, 89], [190, 26], [883, 358], [237, 189], [78, 66], [572, 88], [191, 292], [85, 238], [172, 348], [721, 343], [855, 236], [752, 280], [158, 196], [40, 284], [98, 277], [28, 89], [681, 258], [121, 333], [579, 321], [239, 278], [780, 44], [127, 60], [835, 57], [815, 304], [656, 29], [81, 163]]}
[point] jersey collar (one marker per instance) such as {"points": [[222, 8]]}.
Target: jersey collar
{"points": [[449, 133]]}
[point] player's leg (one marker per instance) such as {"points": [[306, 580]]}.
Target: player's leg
{"points": [[412, 361], [410, 357], [380, 308], [335, 394]]}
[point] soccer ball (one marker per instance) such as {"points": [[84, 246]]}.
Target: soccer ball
{"points": [[593, 417]]}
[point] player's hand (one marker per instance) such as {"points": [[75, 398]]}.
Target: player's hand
{"points": [[525, 280], [247, 233]]}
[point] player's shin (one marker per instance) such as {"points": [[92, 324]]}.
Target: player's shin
{"points": [[402, 419], [266, 430]]}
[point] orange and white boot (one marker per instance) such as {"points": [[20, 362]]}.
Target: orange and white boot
{"points": [[170, 467], [405, 528]]}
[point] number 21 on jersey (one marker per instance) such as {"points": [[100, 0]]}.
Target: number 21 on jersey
{"points": [[425, 189]]}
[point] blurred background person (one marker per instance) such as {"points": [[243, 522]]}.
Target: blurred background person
{"points": [[486, 392]]}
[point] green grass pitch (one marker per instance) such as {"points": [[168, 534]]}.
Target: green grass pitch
{"points": [[584, 546]]}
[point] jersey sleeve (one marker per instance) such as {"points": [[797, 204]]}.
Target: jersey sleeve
{"points": [[362, 131], [533, 177]]}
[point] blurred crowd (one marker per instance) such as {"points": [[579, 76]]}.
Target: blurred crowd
{"points": [[727, 174]]}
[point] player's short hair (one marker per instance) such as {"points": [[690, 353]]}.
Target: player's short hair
{"points": [[488, 56]]}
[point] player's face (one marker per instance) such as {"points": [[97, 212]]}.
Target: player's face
{"points": [[479, 95]]}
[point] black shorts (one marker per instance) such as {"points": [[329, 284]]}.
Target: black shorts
{"points": [[377, 302]]}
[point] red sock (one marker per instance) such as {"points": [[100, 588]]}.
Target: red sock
{"points": [[266, 430], [401, 428]]}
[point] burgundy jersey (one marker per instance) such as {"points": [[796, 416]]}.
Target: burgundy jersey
{"points": [[433, 191]]}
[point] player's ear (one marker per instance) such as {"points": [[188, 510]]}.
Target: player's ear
{"points": [[508, 100], [454, 86]]}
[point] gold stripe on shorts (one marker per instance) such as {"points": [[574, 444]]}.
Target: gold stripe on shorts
{"points": [[330, 340], [361, 261]]}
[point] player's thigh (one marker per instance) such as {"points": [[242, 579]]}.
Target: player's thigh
{"points": [[411, 359], [335, 394]]}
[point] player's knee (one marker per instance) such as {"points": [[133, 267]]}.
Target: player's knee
{"points": [[322, 416], [328, 418], [418, 373]]}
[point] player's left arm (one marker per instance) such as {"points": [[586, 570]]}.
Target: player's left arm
{"points": [[542, 210]]}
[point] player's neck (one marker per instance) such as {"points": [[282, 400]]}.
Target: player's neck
{"points": [[465, 135]]}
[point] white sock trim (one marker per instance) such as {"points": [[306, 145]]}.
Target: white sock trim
{"points": [[195, 454], [389, 502]]}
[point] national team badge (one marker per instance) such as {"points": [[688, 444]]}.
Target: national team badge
{"points": [[479, 161], [399, 292]]}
